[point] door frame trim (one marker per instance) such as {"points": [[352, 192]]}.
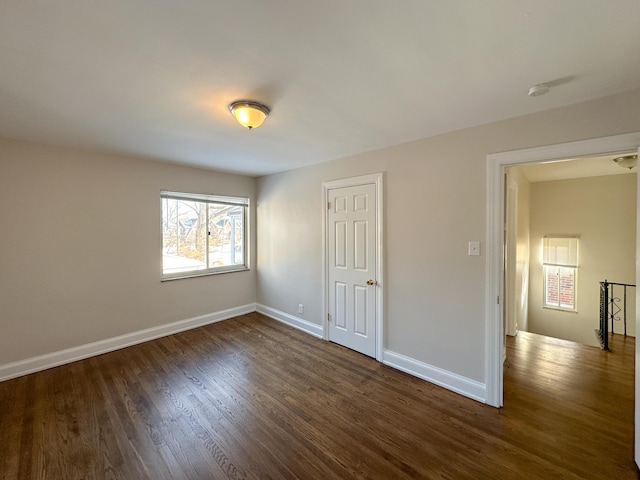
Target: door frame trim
{"points": [[511, 259], [494, 288], [376, 179]]}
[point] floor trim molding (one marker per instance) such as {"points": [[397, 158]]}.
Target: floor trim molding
{"points": [[61, 357], [292, 321], [451, 381]]}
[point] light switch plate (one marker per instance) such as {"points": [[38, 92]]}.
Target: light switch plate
{"points": [[474, 249]]}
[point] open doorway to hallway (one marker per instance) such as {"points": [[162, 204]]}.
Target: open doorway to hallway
{"points": [[496, 165], [569, 225]]}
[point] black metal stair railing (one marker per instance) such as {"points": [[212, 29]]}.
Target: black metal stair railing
{"points": [[610, 310]]}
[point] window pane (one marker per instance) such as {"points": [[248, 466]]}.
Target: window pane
{"points": [[567, 288], [183, 236], [202, 234], [560, 287], [226, 235], [552, 293]]}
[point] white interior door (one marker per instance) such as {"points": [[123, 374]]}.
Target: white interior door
{"points": [[352, 285]]}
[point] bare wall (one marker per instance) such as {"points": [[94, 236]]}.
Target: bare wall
{"points": [[81, 248], [434, 204], [602, 212]]}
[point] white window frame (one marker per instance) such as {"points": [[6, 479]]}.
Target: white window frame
{"points": [[208, 199], [550, 261]]}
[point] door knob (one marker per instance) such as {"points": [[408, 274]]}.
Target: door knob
{"points": [[371, 282]]}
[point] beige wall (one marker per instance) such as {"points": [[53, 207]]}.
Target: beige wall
{"points": [[434, 204], [81, 238], [602, 212], [81, 248]]}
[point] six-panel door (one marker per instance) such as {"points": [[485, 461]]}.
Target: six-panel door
{"points": [[352, 267]]}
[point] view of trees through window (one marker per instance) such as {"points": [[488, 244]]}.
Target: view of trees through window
{"points": [[201, 236]]}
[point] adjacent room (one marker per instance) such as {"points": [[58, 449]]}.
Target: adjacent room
{"points": [[248, 239]]}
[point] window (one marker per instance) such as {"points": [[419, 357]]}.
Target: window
{"points": [[560, 265], [202, 234]]}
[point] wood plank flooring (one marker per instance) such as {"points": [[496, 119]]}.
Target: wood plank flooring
{"points": [[250, 398]]}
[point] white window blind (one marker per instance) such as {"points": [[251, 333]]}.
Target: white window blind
{"points": [[205, 198], [560, 251]]}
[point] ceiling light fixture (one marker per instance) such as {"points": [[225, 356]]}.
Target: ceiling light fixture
{"points": [[248, 113], [627, 161], [538, 90]]}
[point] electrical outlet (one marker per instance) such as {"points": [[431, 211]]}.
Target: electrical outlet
{"points": [[300, 308]]}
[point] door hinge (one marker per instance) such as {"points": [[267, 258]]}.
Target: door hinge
{"points": [[498, 300], [328, 317], [328, 205]]}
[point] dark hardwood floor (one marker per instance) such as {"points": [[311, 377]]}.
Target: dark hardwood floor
{"points": [[252, 398]]}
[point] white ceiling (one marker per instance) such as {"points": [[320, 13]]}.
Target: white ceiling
{"points": [[575, 168], [153, 78]]}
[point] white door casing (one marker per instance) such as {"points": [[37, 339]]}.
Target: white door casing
{"points": [[353, 283], [511, 245], [636, 435]]}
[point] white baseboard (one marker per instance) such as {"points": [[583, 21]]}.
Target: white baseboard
{"points": [[49, 360], [457, 383], [451, 381], [295, 322]]}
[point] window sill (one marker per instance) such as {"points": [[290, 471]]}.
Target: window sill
{"points": [[181, 276], [558, 309]]}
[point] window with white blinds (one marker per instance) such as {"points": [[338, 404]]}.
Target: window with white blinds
{"points": [[560, 266]]}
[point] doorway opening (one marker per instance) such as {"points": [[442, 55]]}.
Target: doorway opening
{"points": [[570, 225], [496, 165]]}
